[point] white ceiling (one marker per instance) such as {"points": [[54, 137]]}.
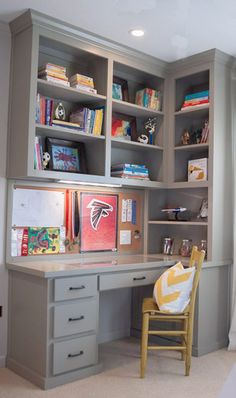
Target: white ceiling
{"points": [[174, 28]]}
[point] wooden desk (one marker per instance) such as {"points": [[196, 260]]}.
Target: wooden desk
{"points": [[54, 311]]}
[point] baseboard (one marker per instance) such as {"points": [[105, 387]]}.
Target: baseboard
{"points": [[2, 361], [114, 335]]}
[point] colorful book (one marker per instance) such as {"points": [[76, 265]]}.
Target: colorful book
{"points": [[197, 95]]}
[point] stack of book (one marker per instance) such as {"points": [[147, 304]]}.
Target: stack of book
{"points": [[148, 98], [54, 74], [64, 124], [195, 100], [130, 170], [38, 153], [89, 120], [81, 82]]}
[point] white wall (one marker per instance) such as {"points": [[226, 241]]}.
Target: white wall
{"points": [[5, 50]]}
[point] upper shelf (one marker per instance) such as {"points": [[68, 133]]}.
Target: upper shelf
{"points": [[133, 145], [70, 94], [200, 110], [65, 133], [193, 147], [133, 110]]}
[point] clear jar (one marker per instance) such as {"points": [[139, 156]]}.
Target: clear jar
{"points": [[185, 248], [168, 246], [203, 246]]}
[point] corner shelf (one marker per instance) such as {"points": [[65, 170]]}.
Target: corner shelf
{"points": [[186, 184], [70, 94], [136, 146], [197, 110], [193, 223], [130, 109], [193, 147]]}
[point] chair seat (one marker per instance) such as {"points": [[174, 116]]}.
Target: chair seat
{"points": [[151, 307]]}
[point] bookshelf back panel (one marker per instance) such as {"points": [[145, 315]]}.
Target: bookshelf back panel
{"points": [[137, 80], [181, 162], [190, 84], [157, 234], [151, 159], [191, 199], [191, 124], [75, 60]]}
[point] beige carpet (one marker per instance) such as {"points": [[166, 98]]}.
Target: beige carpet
{"points": [[120, 378]]}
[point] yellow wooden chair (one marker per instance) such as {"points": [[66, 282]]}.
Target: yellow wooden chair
{"points": [[150, 312]]}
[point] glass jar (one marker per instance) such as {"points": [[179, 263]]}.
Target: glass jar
{"points": [[203, 246], [185, 248], [168, 246]]}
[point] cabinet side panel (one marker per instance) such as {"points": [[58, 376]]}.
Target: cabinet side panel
{"points": [[20, 104], [222, 207], [27, 328]]}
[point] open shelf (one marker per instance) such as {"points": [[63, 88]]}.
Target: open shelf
{"points": [[136, 146], [133, 109], [199, 109], [70, 94], [66, 134], [196, 223], [193, 147]]}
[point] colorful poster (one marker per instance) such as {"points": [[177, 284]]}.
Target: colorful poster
{"points": [[98, 220], [43, 241]]}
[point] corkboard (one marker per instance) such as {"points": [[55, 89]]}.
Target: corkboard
{"points": [[136, 245]]}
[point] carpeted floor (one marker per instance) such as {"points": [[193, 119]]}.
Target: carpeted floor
{"points": [[120, 377]]}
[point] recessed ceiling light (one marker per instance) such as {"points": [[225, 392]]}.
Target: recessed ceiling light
{"points": [[137, 32]]}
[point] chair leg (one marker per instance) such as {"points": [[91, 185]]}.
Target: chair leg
{"points": [[183, 353], [189, 347], [144, 344]]}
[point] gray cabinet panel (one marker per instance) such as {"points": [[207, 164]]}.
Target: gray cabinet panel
{"points": [[74, 354], [75, 318], [75, 287]]}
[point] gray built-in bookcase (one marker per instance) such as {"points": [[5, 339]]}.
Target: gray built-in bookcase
{"points": [[38, 39]]}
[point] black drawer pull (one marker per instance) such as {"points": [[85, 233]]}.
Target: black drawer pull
{"points": [[139, 279], [76, 319], [77, 287], [75, 355]]}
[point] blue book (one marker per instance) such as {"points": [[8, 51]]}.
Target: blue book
{"points": [[197, 95], [47, 111]]}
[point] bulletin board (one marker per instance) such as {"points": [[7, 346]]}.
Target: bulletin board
{"points": [[57, 221]]}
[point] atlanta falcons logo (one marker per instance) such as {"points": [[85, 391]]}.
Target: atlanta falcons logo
{"points": [[99, 209]]}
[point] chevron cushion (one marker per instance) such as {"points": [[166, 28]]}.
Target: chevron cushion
{"points": [[172, 290]]}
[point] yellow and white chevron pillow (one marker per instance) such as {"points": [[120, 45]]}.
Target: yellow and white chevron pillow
{"points": [[172, 290]]}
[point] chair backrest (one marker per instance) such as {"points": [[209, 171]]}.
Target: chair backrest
{"points": [[196, 260]]}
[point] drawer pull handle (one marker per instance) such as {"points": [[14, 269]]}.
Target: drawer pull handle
{"points": [[77, 287], [76, 319], [139, 279], [75, 355]]}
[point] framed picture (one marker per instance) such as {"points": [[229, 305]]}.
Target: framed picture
{"points": [[98, 222], [66, 156], [124, 128], [120, 89]]}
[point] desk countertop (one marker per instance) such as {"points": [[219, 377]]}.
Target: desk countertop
{"points": [[96, 265]]}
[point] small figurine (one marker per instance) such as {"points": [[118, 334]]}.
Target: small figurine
{"points": [[60, 112], [143, 138], [45, 160], [150, 127], [185, 138], [196, 136]]}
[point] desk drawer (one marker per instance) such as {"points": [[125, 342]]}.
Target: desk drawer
{"points": [[75, 287], [75, 318], [74, 354], [128, 279]]}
